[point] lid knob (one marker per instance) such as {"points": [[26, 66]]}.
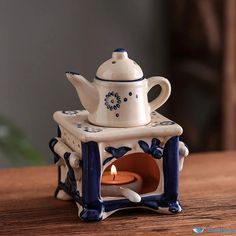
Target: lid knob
{"points": [[119, 54]]}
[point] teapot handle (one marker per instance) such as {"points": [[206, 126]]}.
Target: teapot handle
{"points": [[164, 94]]}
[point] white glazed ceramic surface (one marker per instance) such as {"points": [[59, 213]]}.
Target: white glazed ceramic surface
{"points": [[118, 96], [122, 105], [80, 129], [119, 68], [75, 130], [119, 127]]}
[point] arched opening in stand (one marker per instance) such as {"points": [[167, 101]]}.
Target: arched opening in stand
{"points": [[142, 164]]}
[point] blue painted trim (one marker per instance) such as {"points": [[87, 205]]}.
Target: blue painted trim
{"points": [[152, 202], [52, 144], [125, 81], [58, 132], [73, 72], [92, 204], [120, 50]]}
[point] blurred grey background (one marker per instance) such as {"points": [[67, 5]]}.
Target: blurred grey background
{"points": [[40, 40], [190, 42]]}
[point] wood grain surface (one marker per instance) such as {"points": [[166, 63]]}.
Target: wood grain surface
{"points": [[207, 194]]}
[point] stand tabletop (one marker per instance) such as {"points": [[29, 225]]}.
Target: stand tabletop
{"points": [[76, 122], [207, 194]]}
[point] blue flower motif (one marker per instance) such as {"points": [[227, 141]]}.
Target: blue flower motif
{"points": [[116, 153], [155, 149], [112, 101], [198, 230]]}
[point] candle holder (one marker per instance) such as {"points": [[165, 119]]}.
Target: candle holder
{"points": [[84, 152], [119, 130]]}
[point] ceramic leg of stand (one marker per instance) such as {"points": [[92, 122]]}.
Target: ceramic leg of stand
{"points": [[171, 174], [92, 205]]}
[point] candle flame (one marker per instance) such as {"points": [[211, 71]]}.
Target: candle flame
{"points": [[113, 172]]}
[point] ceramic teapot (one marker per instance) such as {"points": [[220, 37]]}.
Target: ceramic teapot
{"points": [[118, 95]]}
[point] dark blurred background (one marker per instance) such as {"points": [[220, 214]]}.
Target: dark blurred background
{"points": [[191, 42]]}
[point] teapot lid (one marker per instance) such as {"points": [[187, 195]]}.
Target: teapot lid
{"points": [[119, 68]]}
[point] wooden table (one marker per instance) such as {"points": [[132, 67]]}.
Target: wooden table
{"points": [[207, 193]]}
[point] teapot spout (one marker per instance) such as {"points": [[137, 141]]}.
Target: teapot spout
{"points": [[86, 90]]}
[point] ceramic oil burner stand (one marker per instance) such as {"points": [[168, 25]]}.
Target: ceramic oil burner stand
{"points": [[83, 152]]}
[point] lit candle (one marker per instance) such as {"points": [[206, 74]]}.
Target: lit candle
{"points": [[122, 183], [124, 177]]}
